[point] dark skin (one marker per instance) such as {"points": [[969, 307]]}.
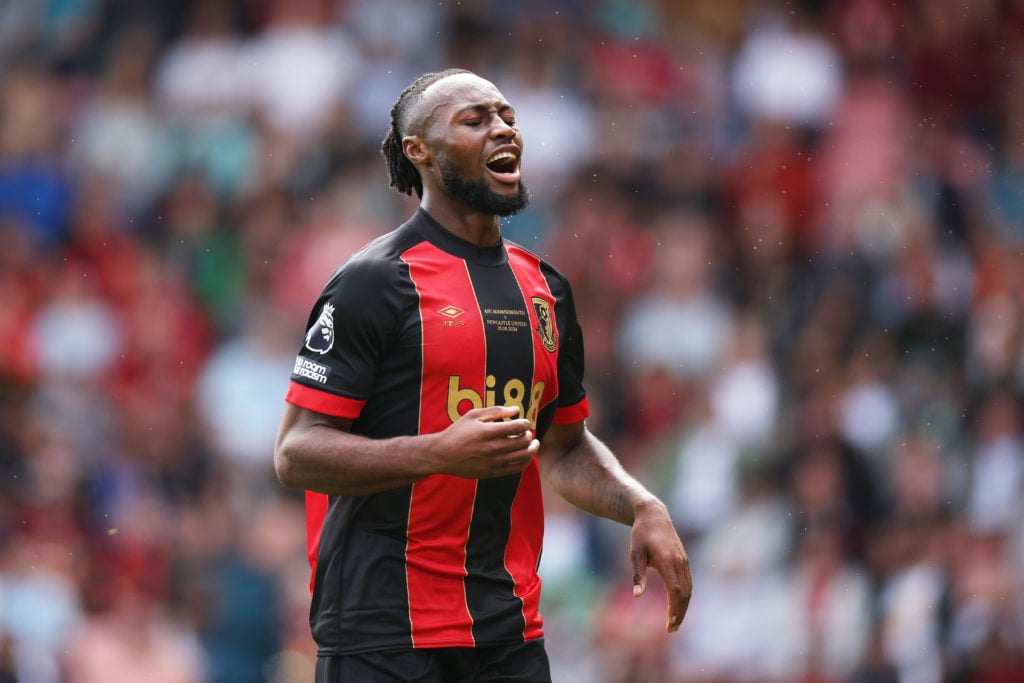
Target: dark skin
{"points": [[465, 120]]}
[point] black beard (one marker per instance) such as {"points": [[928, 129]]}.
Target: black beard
{"points": [[476, 194]]}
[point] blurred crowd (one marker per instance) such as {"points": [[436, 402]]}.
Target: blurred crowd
{"points": [[795, 231]]}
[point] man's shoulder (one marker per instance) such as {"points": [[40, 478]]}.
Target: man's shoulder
{"points": [[546, 267]]}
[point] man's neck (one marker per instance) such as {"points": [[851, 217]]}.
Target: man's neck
{"points": [[481, 229]]}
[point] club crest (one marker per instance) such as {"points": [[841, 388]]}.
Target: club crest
{"points": [[320, 337], [545, 324]]}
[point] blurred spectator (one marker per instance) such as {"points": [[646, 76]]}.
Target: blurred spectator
{"points": [[912, 596], [240, 389], [629, 635], [202, 73], [19, 287], [119, 135], [61, 31], [299, 67], [202, 85], [227, 575], [131, 640], [997, 468], [987, 626], [827, 611], [730, 434], [334, 225], [787, 71], [39, 604], [34, 187], [398, 39], [921, 486], [77, 333], [953, 74], [1007, 179], [570, 601], [869, 416], [706, 482], [731, 634], [745, 394], [767, 195], [864, 201], [994, 328], [681, 324], [204, 247]]}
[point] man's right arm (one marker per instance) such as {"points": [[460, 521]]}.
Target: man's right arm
{"points": [[320, 453]]}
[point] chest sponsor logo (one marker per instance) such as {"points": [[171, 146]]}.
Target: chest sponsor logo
{"points": [[463, 399], [311, 370], [545, 324], [320, 337]]}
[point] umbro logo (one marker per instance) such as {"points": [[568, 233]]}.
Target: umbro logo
{"points": [[452, 312]]}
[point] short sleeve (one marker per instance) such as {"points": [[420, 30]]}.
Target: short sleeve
{"points": [[352, 323], [572, 396]]}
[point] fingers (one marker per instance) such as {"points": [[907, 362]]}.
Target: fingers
{"points": [[676, 614], [677, 606], [680, 587], [521, 450], [499, 420], [639, 561], [512, 428], [512, 445], [495, 413]]}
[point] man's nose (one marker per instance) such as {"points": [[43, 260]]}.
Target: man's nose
{"points": [[502, 129]]}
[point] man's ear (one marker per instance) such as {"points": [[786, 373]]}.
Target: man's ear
{"points": [[416, 149]]}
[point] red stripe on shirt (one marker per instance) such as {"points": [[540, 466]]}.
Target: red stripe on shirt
{"points": [[316, 513], [440, 512], [527, 535], [577, 412], [523, 550], [441, 508], [323, 401], [532, 282]]}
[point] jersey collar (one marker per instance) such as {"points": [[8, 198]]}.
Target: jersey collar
{"points": [[447, 241]]}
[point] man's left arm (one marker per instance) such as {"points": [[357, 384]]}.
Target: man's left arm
{"points": [[583, 471]]}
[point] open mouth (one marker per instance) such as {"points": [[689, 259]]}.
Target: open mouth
{"points": [[504, 165]]}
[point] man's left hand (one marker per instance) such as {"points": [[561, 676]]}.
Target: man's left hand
{"points": [[654, 542]]}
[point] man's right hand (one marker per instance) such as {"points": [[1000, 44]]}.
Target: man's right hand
{"points": [[485, 443]]}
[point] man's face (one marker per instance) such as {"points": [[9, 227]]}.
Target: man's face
{"points": [[477, 148]]}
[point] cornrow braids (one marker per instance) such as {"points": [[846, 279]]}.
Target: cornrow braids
{"points": [[402, 173]]}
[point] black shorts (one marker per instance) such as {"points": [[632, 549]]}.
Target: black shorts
{"points": [[516, 663]]}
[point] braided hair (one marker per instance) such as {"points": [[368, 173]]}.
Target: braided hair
{"points": [[402, 172]]}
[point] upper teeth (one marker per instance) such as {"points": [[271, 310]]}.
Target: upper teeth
{"points": [[501, 155]]}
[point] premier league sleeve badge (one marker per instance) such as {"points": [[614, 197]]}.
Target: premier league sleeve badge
{"points": [[320, 337]]}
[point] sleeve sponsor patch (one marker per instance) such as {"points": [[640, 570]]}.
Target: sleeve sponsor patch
{"points": [[310, 370]]}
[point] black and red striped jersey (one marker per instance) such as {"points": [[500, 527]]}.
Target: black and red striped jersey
{"points": [[414, 330]]}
